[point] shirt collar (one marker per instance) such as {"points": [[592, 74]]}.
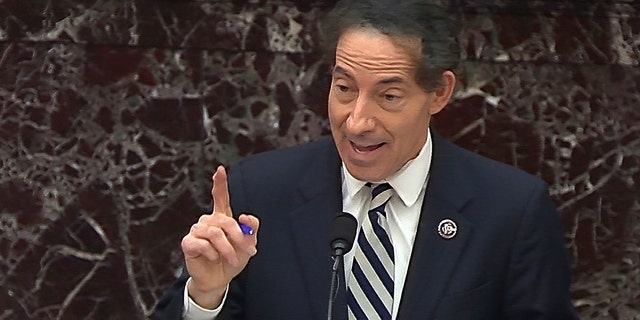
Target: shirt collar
{"points": [[406, 182]]}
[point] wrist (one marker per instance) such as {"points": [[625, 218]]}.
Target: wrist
{"points": [[207, 299]]}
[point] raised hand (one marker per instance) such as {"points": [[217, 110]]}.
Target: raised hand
{"points": [[215, 249]]}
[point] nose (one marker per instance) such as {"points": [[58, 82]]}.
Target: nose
{"points": [[361, 119]]}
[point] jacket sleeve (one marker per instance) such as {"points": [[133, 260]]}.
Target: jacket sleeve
{"points": [[171, 305], [539, 269]]}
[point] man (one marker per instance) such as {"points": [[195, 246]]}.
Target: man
{"points": [[465, 237]]}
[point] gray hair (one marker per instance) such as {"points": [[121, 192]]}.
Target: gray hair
{"points": [[425, 20]]}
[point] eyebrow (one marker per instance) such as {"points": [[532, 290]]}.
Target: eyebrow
{"points": [[342, 71], [390, 80]]}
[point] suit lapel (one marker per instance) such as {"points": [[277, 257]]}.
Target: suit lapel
{"points": [[433, 258], [320, 186]]}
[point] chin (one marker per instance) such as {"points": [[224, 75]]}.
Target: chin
{"points": [[365, 174]]}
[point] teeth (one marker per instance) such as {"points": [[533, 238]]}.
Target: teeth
{"points": [[363, 149]]}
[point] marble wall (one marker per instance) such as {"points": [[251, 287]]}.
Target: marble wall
{"points": [[114, 113]]}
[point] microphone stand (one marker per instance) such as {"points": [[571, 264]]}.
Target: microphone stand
{"points": [[343, 231], [333, 291]]}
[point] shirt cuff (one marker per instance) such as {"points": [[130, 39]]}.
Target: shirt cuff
{"points": [[192, 311]]}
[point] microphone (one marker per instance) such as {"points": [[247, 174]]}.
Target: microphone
{"points": [[342, 234]]}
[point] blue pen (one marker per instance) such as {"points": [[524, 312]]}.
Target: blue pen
{"points": [[245, 229]]}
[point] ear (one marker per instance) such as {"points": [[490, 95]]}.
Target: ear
{"points": [[443, 93]]}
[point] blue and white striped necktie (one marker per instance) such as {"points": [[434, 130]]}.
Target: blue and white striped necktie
{"points": [[370, 290]]}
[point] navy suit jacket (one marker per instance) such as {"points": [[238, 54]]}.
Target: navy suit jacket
{"points": [[507, 261]]}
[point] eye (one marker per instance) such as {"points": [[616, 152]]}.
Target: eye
{"points": [[342, 88], [344, 92], [392, 100], [391, 97]]}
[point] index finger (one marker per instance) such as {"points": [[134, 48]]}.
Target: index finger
{"points": [[220, 192]]}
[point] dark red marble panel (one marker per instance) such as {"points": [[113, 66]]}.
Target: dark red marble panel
{"points": [[230, 25], [545, 31], [113, 114], [548, 36]]}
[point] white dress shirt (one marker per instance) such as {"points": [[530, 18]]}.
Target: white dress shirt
{"points": [[403, 214]]}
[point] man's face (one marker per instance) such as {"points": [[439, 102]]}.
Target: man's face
{"points": [[379, 114]]}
